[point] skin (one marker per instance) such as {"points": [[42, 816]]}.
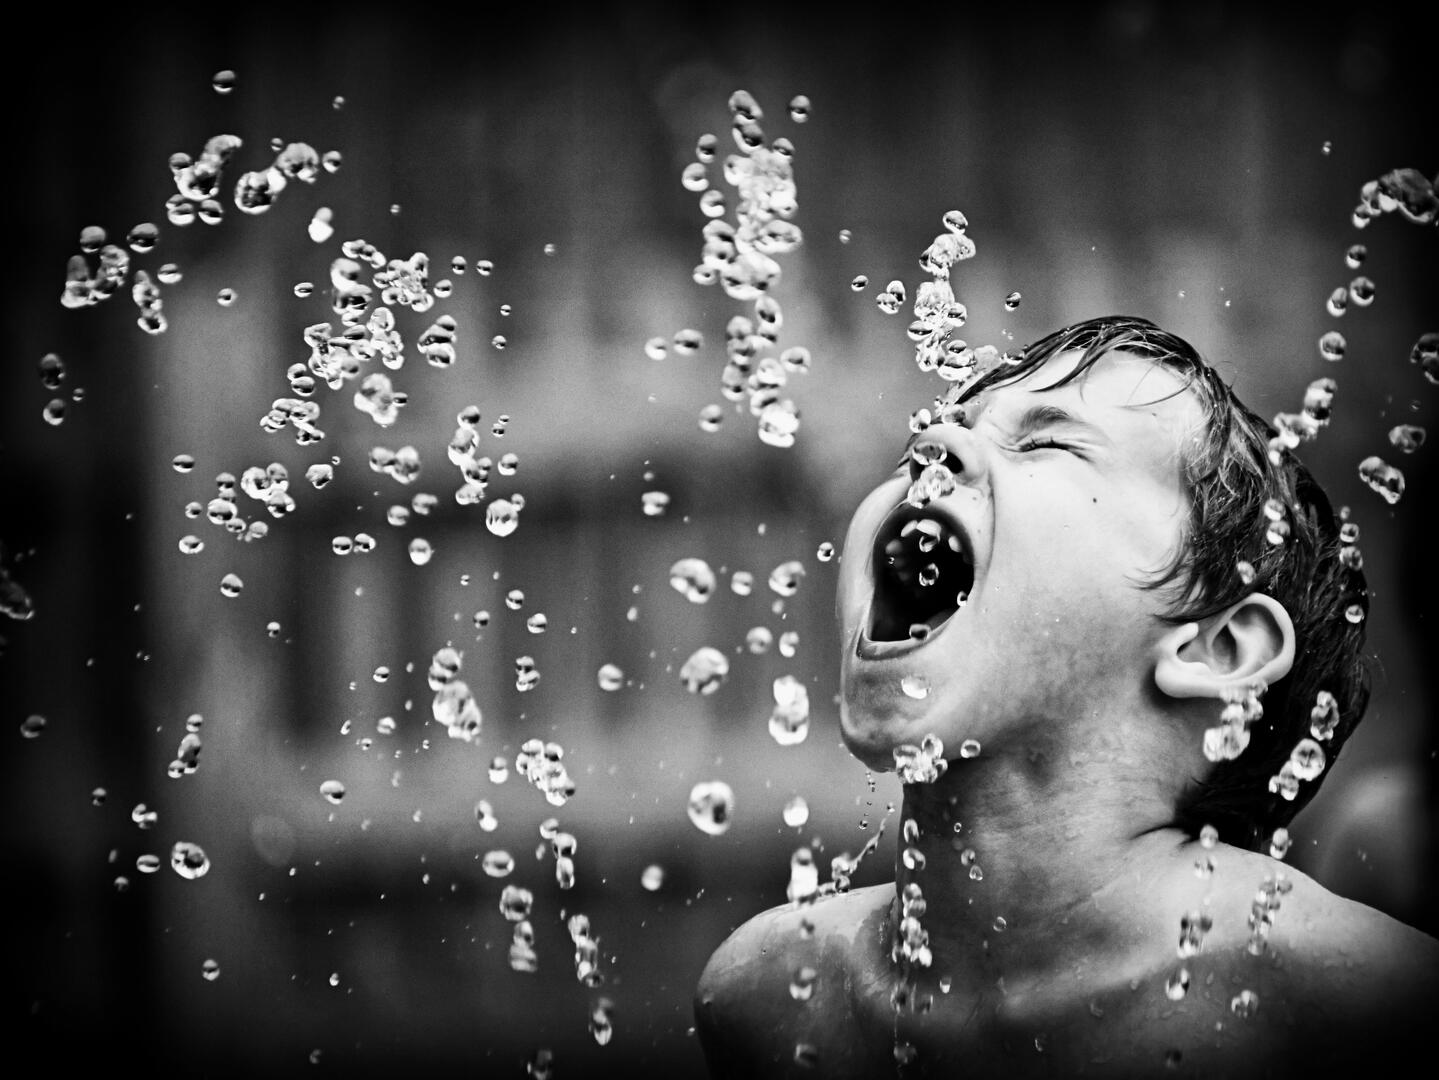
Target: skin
{"points": [[1089, 708]]}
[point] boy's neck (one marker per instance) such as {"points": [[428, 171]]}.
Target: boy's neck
{"points": [[1030, 870]]}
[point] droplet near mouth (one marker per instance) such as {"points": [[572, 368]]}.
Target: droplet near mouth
{"points": [[923, 575]]}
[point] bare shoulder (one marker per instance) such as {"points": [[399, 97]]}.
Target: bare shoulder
{"points": [[1342, 982], [780, 987]]}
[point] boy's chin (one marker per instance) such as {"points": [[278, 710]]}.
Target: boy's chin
{"points": [[871, 741]]}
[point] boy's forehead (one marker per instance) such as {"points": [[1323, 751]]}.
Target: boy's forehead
{"points": [[1115, 381]]}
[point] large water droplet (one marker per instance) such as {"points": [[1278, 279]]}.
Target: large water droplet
{"points": [[704, 671], [693, 579], [189, 860], [711, 806]]}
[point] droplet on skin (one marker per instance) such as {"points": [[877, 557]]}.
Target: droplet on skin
{"points": [[915, 686]]}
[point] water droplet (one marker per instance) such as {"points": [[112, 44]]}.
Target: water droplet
{"points": [[498, 864], [1244, 1004], [420, 551], [799, 107], [143, 237], [516, 902], [915, 686], [223, 81], [652, 877], [704, 671], [210, 970], [1011, 301], [610, 677], [191, 545], [1382, 478], [969, 748], [785, 578], [711, 806], [231, 585], [1332, 345], [147, 864], [1279, 843], [796, 812], [859, 283], [502, 517], [32, 725], [1177, 985], [1361, 291], [741, 582], [693, 579], [1406, 437], [189, 860], [54, 412]]}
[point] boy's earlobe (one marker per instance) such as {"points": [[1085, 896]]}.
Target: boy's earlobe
{"points": [[1250, 641]]}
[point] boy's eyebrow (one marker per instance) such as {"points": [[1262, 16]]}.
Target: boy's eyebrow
{"points": [[1037, 417]]}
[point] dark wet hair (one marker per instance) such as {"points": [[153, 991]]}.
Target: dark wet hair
{"points": [[1230, 474]]}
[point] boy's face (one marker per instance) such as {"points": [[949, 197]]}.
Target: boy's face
{"points": [[1065, 501]]}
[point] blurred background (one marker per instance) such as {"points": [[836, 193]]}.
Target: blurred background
{"points": [[1196, 164]]}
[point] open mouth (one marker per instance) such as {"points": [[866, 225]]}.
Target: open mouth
{"points": [[923, 575]]}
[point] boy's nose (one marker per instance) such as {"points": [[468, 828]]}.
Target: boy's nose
{"points": [[955, 447]]}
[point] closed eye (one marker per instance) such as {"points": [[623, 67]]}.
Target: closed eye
{"points": [[1026, 445]]}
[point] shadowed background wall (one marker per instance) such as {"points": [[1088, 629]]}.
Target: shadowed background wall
{"points": [[1126, 157]]}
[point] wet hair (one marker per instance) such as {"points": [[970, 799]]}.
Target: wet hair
{"points": [[1232, 467]]}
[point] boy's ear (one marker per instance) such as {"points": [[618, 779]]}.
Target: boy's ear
{"points": [[1250, 641]]}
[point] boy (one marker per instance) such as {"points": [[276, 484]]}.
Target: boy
{"points": [[1107, 629]]}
